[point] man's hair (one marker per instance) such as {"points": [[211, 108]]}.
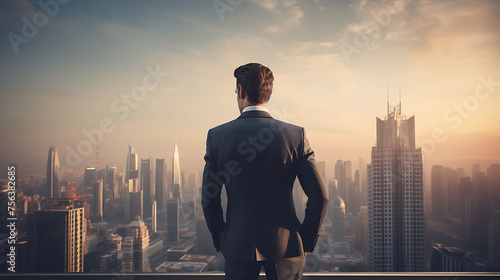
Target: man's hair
{"points": [[257, 80]]}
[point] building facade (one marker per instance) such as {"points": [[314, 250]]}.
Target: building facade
{"points": [[52, 184], [176, 191], [59, 237], [395, 196]]}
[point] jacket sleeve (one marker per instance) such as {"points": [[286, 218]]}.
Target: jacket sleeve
{"points": [[317, 199], [210, 196]]}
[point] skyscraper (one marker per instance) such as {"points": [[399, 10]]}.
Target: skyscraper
{"points": [[52, 184], [438, 190], [340, 177], [332, 193], [132, 170], [445, 191], [464, 191], [136, 204], [363, 182], [356, 190], [348, 171], [147, 186], [493, 174], [153, 217], [89, 177], [176, 175], [59, 236], [338, 220], [111, 185], [132, 181], [98, 200], [480, 209], [160, 183], [395, 196], [135, 248], [173, 219]]}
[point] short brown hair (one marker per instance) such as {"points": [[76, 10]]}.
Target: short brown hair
{"points": [[257, 80]]}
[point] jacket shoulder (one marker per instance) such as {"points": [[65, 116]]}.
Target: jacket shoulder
{"points": [[273, 123]]}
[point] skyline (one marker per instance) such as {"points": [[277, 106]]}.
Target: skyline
{"points": [[67, 77]]}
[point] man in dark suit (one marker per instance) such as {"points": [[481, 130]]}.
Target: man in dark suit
{"points": [[257, 159]]}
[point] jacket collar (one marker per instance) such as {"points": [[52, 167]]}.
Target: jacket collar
{"points": [[255, 114]]}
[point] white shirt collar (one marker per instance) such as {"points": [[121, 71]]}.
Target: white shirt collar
{"points": [[255, 108]]}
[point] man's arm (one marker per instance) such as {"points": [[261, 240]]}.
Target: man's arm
{"points": [[314, 187], [210, 197]]}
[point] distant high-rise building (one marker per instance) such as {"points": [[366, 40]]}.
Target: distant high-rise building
{"points": [[340, 177], [161, 183], [132, 170], [332, 193], [176, 175], [395, 196], [98, 200], [476, 168], [135, 248], [111, 184], [338, 221], [348, 172], [132, 182], [452, 180], [136, 204], [173, 219], [355, 194], [447, 192], [480, 209], [147, 186], [361, 232], [464, 190], [89, 177], [438, 190], [363, 177], [59, 236], [447, 259], [52, 184], [153, 218], [493, 174]]}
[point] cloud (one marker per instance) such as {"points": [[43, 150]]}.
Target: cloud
{"points": [[432, 31], [288, 12]]}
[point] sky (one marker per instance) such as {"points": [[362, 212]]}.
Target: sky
{"points": [[145, 73]]}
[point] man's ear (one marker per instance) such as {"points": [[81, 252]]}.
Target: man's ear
{"points": [[242, 92]]}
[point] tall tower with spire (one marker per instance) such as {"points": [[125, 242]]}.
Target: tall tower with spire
{"points": [[52, 184], [176, 174], [395, 196]]}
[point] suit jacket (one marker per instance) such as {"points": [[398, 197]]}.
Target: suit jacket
{"points": [[257, 158]]}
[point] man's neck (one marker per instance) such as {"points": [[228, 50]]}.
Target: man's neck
{"points": [[256, 107], [260, 105]]}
